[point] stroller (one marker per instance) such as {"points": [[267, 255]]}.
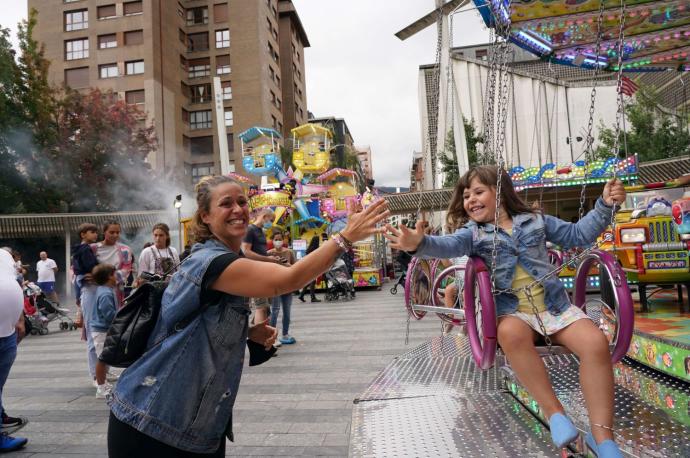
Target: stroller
{"points": [[40, 311], [338, 282]]}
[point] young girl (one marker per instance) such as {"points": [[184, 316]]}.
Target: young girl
{"points": [[287, 259], [521, 258]]}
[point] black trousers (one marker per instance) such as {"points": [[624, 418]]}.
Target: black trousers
{"points": [[311, 286], [127, 442]]}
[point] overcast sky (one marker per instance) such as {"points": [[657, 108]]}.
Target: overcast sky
{"points": [[358, 70]]}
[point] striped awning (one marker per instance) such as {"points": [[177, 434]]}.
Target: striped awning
{"points": [[664, 169], [55, 224]]}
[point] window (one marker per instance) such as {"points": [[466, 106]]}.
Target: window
{"points": [[134, 37], [107, 41], [199, 67], [222, 65], [200, 119], [197, 16], [131, 8], [202, 170], [135, 67], [271, 73], [228, 117], [272, 52], [226, 87], [200, 93], [201, 145], [197, 42], [273, 97], [70, 1], [77, 49], [77, 78], [109, 97], [220, 12], [182, 36], [106, 12], [135, 97], [274, 122], [231, 143], [108, 71], [481, 54], [76, 20], [222, 38], [279, 104]]}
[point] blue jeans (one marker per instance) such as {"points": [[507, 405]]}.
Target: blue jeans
{"points": [[8, 352], [286, 300], [88, 303]]}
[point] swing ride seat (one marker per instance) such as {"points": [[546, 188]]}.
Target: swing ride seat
{"points": [[616, 320]]}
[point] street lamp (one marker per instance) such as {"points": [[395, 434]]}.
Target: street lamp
{"points": [[178, 205]]}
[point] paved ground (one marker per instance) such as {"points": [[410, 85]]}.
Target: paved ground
{"points": [[297, 404]]}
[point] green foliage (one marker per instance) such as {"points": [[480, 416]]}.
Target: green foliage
{"points": [[651, 133], [449, 157], [61, 150]]}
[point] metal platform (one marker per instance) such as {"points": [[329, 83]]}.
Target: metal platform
{"points": [[434, 401]]}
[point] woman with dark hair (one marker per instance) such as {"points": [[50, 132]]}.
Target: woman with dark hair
{"points": [[176, 400], [313, 246], [159, 258]]}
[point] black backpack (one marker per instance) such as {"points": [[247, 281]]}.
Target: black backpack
{"points": [[129, 333]]}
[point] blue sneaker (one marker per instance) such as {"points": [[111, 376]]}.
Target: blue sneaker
{"points": [[287, 340], [607, 449], [562, 429], [10, 444]]}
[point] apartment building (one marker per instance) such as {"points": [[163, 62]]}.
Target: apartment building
{"points": [[364, 156], [162, 55]]}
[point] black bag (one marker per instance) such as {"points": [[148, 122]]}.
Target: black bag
{"points": [[133, 324]]}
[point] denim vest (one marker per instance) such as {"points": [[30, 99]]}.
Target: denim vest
{"points": [[182, 390], [526, 246]]}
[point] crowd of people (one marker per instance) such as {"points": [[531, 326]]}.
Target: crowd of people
{"points": [[104, 270]]}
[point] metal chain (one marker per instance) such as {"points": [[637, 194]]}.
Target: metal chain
{"points": [[589, 139], [620, 112], [537, 315]]}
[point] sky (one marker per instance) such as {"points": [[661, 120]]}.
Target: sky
{"points": [[356, 69]]}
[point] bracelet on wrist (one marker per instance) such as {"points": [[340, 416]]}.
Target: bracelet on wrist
{"points": [[342, 242]]}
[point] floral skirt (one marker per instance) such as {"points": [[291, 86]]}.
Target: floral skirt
{"points": [[552, 323]]}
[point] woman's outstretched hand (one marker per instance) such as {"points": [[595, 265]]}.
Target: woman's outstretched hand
{"points": [[263, 334], [362, 223], [614, 192], [405, 239]]}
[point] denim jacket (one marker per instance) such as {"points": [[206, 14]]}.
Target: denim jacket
{"points": [[182, 390], [526, 246]]}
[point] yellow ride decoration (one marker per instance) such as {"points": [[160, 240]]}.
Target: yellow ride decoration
{"points": [[312, 144]]}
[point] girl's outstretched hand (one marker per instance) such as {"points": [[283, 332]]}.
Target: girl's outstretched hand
{"points": [[405, 239], [614, 192], [362, 224]]}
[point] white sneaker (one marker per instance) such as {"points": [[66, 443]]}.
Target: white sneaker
{"points": [[94, 383], [102, 391], [277, 343], [112, 376]]}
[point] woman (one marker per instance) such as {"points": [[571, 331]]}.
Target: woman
{"points": [[159, 258], [287, 259], [313, 246], [177, 399]]}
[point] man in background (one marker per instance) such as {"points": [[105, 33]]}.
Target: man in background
{"points": [[46, 269]]}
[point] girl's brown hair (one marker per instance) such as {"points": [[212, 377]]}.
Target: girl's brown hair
{"points": [[166, 230], [204, 188], [488, 176]]}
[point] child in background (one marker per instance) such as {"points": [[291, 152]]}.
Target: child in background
{"points": [[103, 315], [521, 255], [83, 257], [287, 258]]}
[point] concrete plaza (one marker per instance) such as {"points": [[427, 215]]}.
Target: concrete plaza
{"points": [[297, 404]]}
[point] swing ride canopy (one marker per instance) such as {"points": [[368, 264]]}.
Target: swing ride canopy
{"points": [[255, 132], [656, 33]]}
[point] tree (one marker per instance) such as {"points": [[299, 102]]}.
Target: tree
{"points": [[652, 133], [449, 157], [61, 150], [12, 182], [99, 159]]}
